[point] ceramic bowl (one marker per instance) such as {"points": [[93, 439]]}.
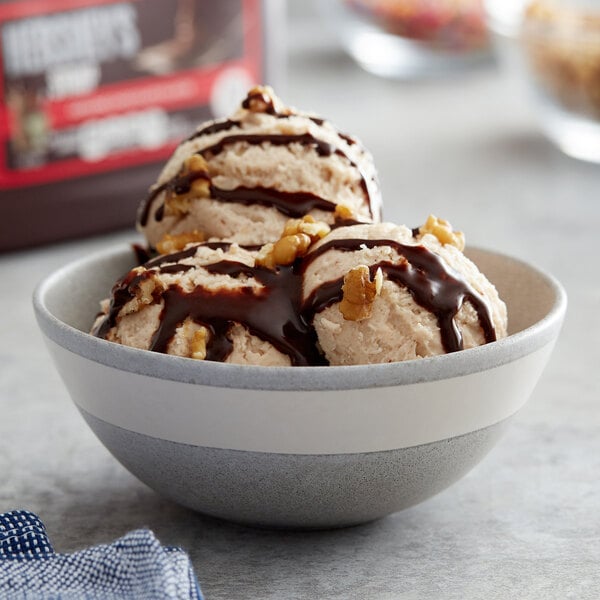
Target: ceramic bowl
{"points": [[410, 40], [301, 447]]}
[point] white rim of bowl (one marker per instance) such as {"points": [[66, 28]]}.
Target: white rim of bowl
{"points": [[186, 370]]}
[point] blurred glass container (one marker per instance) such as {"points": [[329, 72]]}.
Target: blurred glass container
{"points": [[405, 39], [558, 51]]}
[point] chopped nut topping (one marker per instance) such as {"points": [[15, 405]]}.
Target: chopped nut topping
{"points": [[175, 243], [378, 281], [264, 258], [262, 99], [359, 293], [290, 247], [297, 237], [443, 231], [194, 164], [195, 169], [177, 205], [343, 212], [200, 188], [307, 224], [198, 343], [145, 286]]}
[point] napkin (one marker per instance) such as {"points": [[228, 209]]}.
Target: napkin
{"points": [[133, 566]]}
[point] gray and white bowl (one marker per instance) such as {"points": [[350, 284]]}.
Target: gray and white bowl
{"points": [[297, 447]]}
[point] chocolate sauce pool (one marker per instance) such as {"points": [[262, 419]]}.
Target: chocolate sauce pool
{"points": [[275, 312]]}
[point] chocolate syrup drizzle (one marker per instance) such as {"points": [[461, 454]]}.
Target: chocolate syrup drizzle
{"points": [[276, 139], [270, 313], [215, 127], [122, 292], [432, 284], [276, 312], [285, 202], [265, 98], [142, 254], [322, 147], [291, 204], [294, 204]]}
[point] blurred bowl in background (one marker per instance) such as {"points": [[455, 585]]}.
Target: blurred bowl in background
{"points": [[406, 39], [555, 46]]}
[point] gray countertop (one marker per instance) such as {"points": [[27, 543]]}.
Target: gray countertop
{"points": [[524, 524]]}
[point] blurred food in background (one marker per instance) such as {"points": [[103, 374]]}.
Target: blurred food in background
{"points": [[449, 24], [412, 38], [94, 95], [562, 45], [555, 46]]}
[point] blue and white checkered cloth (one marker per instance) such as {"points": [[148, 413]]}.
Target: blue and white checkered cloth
{"points": [[134, 566]]}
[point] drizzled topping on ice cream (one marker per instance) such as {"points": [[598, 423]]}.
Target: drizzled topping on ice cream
{"points": [[270, 312], [139, 287], [305, 139], [293, 204], [432, 284], [215, 127], [245, 130], [266, 292], [262, 99], [323, 148], [177, 257], [275, 311]]}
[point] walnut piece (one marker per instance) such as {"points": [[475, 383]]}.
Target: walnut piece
{"points": [[190, 340], [307, 224], [297, 237], [145, 286], [343, 212], [443, 231], [198, 343], [175, 243], [360, 293], [262, 99]]}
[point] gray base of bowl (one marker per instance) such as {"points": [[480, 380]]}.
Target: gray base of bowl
{"points": [[291, 490]]}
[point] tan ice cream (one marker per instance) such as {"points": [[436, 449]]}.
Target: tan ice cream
{"points": [[241, 178], [359, 294], [210, 301], [385, 293]]}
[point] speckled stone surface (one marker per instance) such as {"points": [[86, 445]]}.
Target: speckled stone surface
{"points": [[523, 524], [291, 490]]}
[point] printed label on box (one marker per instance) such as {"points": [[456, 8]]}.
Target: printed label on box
{"points": [[88, 86]]}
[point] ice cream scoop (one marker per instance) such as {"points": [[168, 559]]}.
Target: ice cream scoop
{"points": [[358, 294], [211, 301], [385, 293], [241, 178]]}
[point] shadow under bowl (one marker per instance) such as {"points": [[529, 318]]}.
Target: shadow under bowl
{"points": [[297, 447]]}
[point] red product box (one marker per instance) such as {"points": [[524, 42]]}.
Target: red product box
{"points": [[96, 94]]}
